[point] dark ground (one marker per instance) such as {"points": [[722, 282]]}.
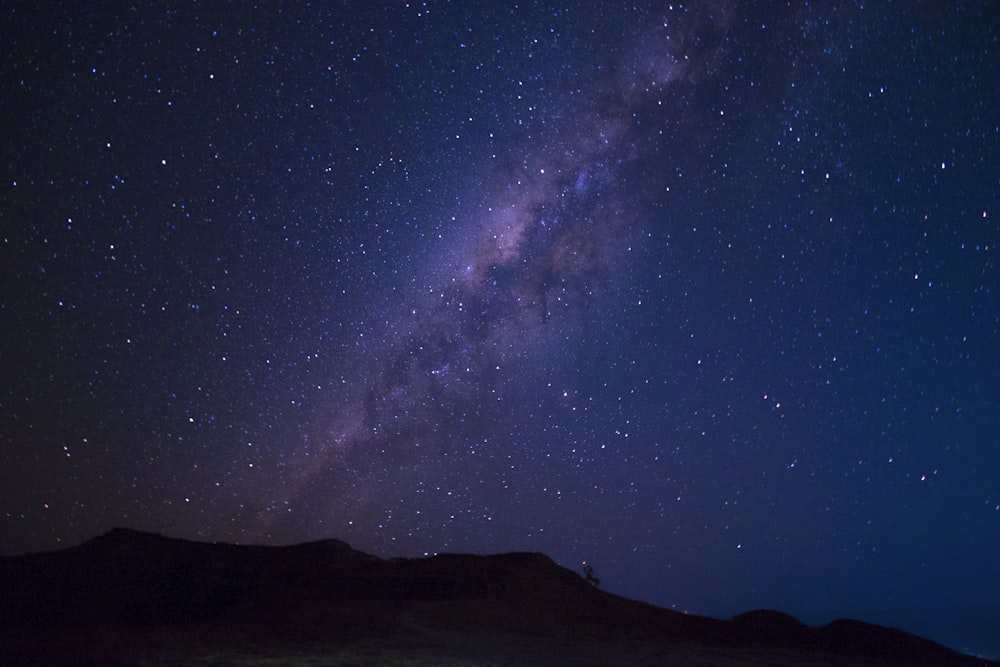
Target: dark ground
{"points": [[130, 598]]}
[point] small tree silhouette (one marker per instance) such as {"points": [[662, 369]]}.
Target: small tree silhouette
{"points": [[588, 575]]}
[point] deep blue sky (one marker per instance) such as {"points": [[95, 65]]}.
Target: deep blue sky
{"points": [[705, 294]]}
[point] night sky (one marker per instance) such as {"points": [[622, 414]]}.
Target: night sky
{"points": [[705, 294]]}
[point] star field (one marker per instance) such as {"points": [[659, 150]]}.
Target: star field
{"points": [[704, 294]]}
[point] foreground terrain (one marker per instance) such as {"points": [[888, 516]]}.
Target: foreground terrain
{"points": [[132, 598]]}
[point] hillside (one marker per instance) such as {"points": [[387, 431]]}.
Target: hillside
{"points": [[129, 597]]}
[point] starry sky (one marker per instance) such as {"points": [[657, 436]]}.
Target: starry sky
{"points": [[705, 294]]}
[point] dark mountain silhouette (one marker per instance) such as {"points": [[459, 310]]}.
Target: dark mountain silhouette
{"points": [[129, 597]]}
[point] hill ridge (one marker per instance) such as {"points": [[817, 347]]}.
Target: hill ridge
{"points": [[140, 583]]}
